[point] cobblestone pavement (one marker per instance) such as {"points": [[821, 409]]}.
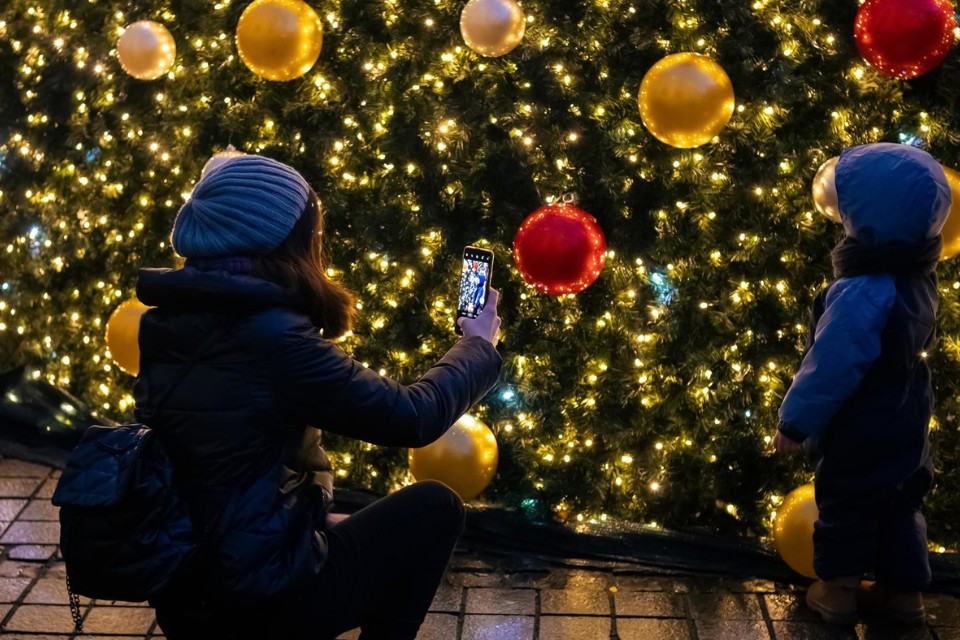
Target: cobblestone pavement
{"points": [[481, 598]]}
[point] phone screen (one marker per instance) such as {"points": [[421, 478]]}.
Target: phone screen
{"points": [[474, 282]]}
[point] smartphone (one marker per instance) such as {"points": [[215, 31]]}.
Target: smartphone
{"points": [[474, 283]]}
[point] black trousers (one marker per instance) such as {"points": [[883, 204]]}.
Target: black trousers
{"points": [[383, 568], [870, 484]]}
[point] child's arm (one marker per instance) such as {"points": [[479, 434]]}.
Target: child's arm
{"points": [[846, 343]]}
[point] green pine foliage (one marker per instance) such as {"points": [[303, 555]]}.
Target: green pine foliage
{"points": [[650, 396]]}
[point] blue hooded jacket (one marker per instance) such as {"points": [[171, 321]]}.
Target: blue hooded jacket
{"points": [[865, 366]]}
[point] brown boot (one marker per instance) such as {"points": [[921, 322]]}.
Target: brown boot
{"points": [[905, 607], [835, 599]]}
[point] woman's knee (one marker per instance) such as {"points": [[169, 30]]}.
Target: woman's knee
{"points": [[443, 501]]}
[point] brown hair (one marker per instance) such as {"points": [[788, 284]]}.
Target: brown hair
{"points": [[299, 265]]}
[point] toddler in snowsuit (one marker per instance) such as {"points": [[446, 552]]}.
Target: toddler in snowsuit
{"points": [[863, 390]]}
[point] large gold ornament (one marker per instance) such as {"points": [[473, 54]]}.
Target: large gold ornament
{"points": [[146, 50], [279, 39], [464, 458], [825, 189], [951, 229], [686, 99], [492, 27], [123, 334], [793, 530]]}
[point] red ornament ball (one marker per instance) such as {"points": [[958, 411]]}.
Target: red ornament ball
{"points": [[905, 38], [560, 249]]}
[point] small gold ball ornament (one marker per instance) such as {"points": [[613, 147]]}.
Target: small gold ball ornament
{"points": [[146, 50], [492, 27]]}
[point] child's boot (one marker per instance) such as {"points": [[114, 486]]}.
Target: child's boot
{"points": [[906, 606], [835, 599], [903, 606]]}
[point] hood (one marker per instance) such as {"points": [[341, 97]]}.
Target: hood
{"points": [[191, 289], [891, 192]]}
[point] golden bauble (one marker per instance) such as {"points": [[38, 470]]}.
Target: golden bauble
{"points": [[825, 189], [219, 159], [279, 39], [951, 229], [123, 333], [464, 458], [793, 530], [686, 99], [146, 50], [492, 27]]}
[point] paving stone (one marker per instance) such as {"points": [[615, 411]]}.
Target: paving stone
{"points": [[10, 508], [12, 569], [480, 627], [732, 630], [4, 610], [725, 606], [353, 634], [467, 563], [20, 468], [41, 618], [575, 601], [447, 598], [458, 579], [651, 629], [640, 583], [649, 604], [885, 630], [20, 636], [942, 610], [46, 489], [51, 591], [811, 631], [574, 628], [127, 620], [750, 586], [40, 510], [502, 601], [438, 626], [32, 533], [789, 606], [12, 588], [948, 633], [18, 487], [32, 552], [586, 580]]}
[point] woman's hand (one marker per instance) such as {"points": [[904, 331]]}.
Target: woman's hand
{"points": [[487, 324]]}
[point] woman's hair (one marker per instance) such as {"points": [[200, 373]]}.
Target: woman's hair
{"points": [[299, 265]]}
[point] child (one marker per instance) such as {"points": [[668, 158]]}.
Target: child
{"points": [[863, 390]]}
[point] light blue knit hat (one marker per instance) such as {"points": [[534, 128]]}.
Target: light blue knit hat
{"points": [[247, 206]]}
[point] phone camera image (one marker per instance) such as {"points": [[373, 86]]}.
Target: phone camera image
{"points": [[473, 281]]}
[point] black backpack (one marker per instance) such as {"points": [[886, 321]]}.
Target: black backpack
{"points": [[125, 531]]}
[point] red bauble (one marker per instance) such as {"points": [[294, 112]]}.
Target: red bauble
{"points": [[560, 249], [905, 38]]}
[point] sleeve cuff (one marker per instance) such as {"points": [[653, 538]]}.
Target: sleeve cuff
{"points": [[791, 433]]}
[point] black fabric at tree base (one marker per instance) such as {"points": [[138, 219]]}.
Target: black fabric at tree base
{"points": [[38, 421]]}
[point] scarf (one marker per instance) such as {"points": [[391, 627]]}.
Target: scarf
{"points": [[853, 258]]}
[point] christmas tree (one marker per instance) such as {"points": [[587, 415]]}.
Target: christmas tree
{"points": [[652, 395]]}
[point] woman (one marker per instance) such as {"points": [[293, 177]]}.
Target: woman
{"points": [[241, 335]]}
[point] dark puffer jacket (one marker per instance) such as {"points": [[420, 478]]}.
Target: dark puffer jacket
{"points": [[236, 429]]}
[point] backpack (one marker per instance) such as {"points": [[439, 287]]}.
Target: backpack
{"points": [[125, 531]]}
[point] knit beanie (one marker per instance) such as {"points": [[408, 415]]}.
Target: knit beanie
{"points": [[246, 206]]}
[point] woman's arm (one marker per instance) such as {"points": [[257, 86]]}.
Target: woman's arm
{"points": [[318, 383]]}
